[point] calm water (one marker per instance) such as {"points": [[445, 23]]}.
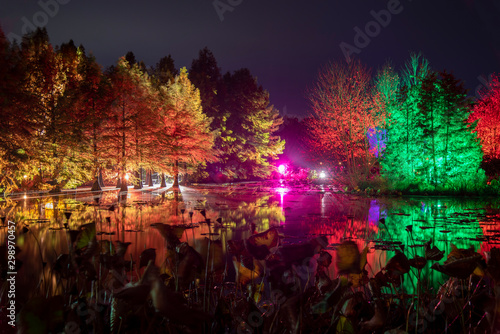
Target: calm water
{"points": [[299, 212]]}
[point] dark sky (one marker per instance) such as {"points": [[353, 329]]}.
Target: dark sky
{"points": [[283, 43]]}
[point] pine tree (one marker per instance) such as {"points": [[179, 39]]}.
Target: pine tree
{"points": [[250, 144], [429, 144], [399, 163]]}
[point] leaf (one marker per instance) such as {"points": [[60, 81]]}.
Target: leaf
{"points": [[357, 280], [433, 254], [324, 259], [245, 275], [169, 233], [106, 247], [121, 247], [348, 258], [215, 254], [146, 256], [398, 264], [418, 262], [190, 263], [344, 326], [460, 268], [269, 238], [86, 235]]}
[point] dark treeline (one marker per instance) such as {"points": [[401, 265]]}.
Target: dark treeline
{"points": [[67, 121]]}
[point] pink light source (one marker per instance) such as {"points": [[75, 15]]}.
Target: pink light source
{"points": [[281, 169]]}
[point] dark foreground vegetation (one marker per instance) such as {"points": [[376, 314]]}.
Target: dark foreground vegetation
{"points": [[270, 284]]}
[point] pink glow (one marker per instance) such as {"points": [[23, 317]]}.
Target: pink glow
{"points": [[282, 169]]}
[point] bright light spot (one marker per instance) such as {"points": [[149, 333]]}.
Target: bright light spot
{"points": [[25, 176], [25, 196], [281, 169], [322, 175], [282, 191], [127, 176], [49, 206]]}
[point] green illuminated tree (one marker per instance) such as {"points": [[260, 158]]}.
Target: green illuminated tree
{"points": [[429, 144], [451, 152], [401, 102]]}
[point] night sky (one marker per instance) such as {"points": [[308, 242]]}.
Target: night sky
{"points": [[283, 43]]}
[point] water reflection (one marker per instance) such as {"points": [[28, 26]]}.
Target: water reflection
{"points": [[237, 212]]}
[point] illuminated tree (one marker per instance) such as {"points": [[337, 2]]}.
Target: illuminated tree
{"points": [[50, 77], [165, 70], [345, 106], [15, 124], [429, 144], [92, 101], [183, 133], [248, 141], [128, 128], [486, 113], [401, 102]]}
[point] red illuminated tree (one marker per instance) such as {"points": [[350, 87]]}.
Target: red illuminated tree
{"points": [[345, 106], [486, 113]]}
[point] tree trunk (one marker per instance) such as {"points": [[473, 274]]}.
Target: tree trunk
{"points": [[100, 179], [176, 174], [163, 181], [96, 186], [150, 178], [138, 183], [123, 187]]}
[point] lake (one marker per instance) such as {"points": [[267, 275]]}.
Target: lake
{"points": [[209, 213]]}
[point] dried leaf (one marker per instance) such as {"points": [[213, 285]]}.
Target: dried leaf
{"points": [[348, 258]]}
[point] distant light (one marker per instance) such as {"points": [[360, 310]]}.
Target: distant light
{"points": [[322, 175], [282, 169], [127, 176], [25, 196], [25, 176], [281, 190], [49, 206]]}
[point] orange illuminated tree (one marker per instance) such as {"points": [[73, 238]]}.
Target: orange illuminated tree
{"points": [[183, 131], [130, 119]]}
